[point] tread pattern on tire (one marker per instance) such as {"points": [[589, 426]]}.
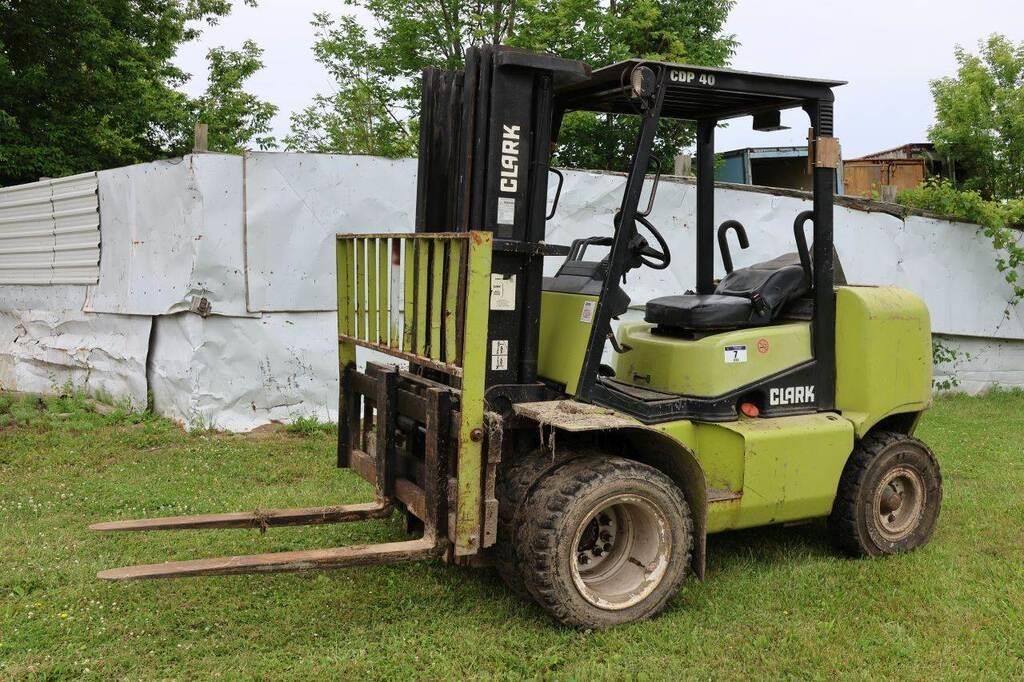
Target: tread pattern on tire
{"points": [[843, 520], [551, 499], [514, 484]]}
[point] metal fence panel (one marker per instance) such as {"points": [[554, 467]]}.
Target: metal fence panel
{"points": [[50, 232]]}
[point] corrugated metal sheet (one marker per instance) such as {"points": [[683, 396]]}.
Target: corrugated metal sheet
{"points": [[50, 232]]}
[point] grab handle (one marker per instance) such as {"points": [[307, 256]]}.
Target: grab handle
{"points": [[801, 242], [723, 240]]}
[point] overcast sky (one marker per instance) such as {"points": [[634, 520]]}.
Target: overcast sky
{"points": [[887, 50]]}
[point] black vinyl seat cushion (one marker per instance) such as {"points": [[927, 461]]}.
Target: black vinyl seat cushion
{"points": [[694, 311], [746, 297]]}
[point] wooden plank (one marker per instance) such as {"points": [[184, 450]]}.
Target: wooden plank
{"points": [[284, 562], [451, 302], [436, 306], [395, 338], [387, 404], [358, 291], [412, 406], [265, 518], [344, 264], [408, 321], [411, 495], [383, 302], [363, 464], [403, 355], [422, 297], [435, 464], [201, 138], [827, 152], [372, 303]]}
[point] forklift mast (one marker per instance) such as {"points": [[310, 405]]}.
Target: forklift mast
{"points": [[485, 147]]}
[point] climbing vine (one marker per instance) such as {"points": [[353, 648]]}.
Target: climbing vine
{"points": [[950, 357]]}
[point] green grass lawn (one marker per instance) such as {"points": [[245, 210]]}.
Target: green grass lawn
{"points": [[776, 602]]}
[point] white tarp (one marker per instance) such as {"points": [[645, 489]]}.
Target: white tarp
{"points": [[297, 203], [42, 297], [172, 230], [237, 373], [46, 350]]}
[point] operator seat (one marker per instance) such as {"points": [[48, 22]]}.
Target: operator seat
{"points": [[747, 297]]}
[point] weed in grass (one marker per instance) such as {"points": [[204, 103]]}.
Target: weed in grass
{"points": [[311, 426]]}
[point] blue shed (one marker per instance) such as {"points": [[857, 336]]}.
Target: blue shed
{"points": [[784, 167]]}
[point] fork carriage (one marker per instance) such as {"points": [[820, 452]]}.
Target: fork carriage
{"points": [[414, 429]]}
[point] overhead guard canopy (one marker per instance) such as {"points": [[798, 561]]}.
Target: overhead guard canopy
{"points": [[695, 92]]}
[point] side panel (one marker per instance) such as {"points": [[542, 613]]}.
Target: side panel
{"points": [[564, 331], [883, 354], [713, 365], [787, 468]]}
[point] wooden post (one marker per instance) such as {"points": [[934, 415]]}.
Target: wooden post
{"points": [[202, 138], [683, 165]]}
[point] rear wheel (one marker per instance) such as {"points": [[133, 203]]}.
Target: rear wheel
{"points": [[889, 497], [606, 541]]}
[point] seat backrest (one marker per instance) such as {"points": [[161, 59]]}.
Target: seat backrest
{"points": [[769, 285]]}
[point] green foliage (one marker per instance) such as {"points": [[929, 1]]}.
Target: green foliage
{"points": [[1000, 220], [685, 31], [368, 113], [948, 358], [980, 117], [377, 98], [89, 84], [237, 119], [310, 426]]}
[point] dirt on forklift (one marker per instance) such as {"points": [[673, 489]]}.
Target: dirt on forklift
{"points": [[778, 393]]}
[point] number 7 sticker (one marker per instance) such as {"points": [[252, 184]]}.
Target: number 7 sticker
{"points": [[735, 354]]}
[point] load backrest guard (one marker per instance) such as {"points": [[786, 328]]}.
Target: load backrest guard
{"points": [[421, 298]]}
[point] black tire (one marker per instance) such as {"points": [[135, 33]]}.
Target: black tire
{"points": [[595, 530], [512, 487], [889, 497]]}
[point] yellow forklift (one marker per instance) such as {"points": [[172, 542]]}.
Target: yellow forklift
{"points": [[775, 393]]}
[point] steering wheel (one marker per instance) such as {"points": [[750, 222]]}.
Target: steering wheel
{"points": [[662, 256]]}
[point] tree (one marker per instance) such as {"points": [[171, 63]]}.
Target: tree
{"points": [[979, 117], [375, 108], [89, 84], [686, 31], [237, 119]]}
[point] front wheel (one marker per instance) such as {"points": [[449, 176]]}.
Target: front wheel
{"points": [[606, 541], [889, 497]]}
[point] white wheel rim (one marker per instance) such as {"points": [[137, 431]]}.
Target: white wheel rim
{"points": [[621, 552], [899, 503]]}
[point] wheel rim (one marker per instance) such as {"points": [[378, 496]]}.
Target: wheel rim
{"points": [[899, 502], [621, 552]]}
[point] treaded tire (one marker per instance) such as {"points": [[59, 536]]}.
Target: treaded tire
{"points": [[562, 509], [859, 514], [513, 486]]}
